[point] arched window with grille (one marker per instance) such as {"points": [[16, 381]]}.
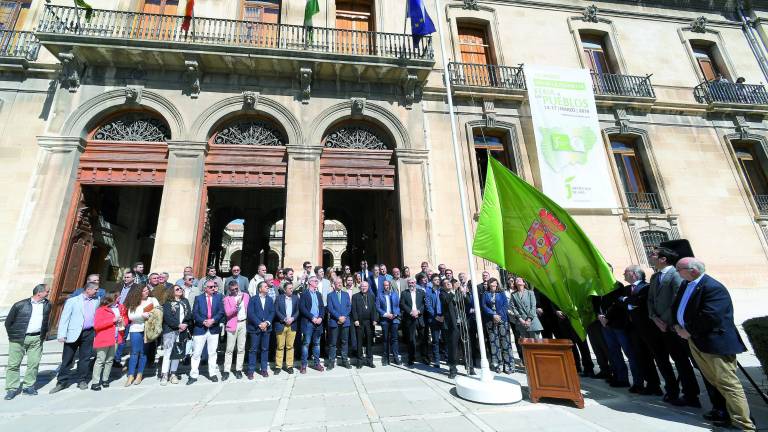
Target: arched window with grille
{"points": [[250, 132], [652, 239], [134, 126]]}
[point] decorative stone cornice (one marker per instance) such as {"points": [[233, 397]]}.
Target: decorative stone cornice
{"points": [[308, 153], [590, 14], [411, 156], [187, 148], [61, 144], [699, 25]]}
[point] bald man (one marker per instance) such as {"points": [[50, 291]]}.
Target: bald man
{"points": [[704, 317]]}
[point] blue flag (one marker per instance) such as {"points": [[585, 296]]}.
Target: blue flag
{"points": [[421, 23]]}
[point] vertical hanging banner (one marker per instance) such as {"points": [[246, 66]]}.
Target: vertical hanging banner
{"points": [[569, 142]]}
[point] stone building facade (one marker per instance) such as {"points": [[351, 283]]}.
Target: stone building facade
{"points": [[126, 138]]}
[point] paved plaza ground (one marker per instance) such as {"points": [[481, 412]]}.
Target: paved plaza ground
{"points": [[381, 399]]}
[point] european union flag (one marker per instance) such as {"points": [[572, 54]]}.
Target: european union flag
{"points": [[421, 23]]}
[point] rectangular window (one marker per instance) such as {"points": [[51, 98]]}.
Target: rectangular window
{"points": [[475, 50], [706, 61], [752, 168], [595, 56], [261, 19], [157, 21], [356, 16], [630, 167], [264, 11], [486, 144], [652, 240]]}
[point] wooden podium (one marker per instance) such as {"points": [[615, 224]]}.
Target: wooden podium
{"points": [[551, 370]]}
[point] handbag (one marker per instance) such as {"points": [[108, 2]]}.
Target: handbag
{"points": [[182, 347]]}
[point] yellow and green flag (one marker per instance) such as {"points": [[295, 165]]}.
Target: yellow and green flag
{"points": [[526, 233], [87, 7]]}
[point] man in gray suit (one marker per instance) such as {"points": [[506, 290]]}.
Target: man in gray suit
{"points": [[661, 294], [76, 332]]}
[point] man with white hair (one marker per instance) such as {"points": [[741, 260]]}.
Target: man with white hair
{"points": [[704, 317]]}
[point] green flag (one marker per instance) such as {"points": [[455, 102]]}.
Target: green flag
{"points": [[526, 233], [312, 8], [87, 7]]}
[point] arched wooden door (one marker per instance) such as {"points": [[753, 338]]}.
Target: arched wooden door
{"points": [[77, 252]]}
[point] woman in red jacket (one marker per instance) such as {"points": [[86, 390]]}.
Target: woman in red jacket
{"points": [[109, 324]]}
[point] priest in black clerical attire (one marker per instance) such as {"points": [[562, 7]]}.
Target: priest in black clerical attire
{"points": [[450, 304], [364, 317]]}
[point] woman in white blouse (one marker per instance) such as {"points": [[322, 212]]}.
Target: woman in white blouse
{"points": [[139, 304]]}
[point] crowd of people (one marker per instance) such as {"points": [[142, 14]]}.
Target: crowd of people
{"points": [[682, 314]]}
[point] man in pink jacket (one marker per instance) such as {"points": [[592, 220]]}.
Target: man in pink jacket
{"points": [[235, 309]]}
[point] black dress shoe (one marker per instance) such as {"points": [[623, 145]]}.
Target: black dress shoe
{"points": [[345, 364], [452, 374], [105, 384], [12, 394], [603, 375], [29, 391], [214, 379], [289, 370], [651, 391], [191, 381], [330, 365], [95, 387], [276, 371], [224, 376], [715, 416], [238, 375], [397, 361], [59, 387], [619, 384], [385, 362], [410, 365], [359, 365]]}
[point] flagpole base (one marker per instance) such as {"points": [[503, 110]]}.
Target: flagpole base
{"points": [[489, 388]]}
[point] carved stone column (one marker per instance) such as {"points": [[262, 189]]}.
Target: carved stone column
{"points": [[415, 224], [179, 217], [301, 232], [34, 250]]}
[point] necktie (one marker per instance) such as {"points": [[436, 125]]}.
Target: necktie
{"points": [[439, 307], [210, 314], [338, 295]]}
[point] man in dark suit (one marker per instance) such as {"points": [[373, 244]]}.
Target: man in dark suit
{"points": [[286, 324], [339, 321], [613, 317], [312, 312], [364, 317], [365, 274], [388, 307], [376, 281], [450, 304], [261, 312], [636, 303], [664, 342], [704, 317], [412, 309], [208, 312]]}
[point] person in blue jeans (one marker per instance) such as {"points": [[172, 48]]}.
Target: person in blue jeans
{"points": [[139, 305], [434, 317], [261, 313], [388, 305], [312, 311]]}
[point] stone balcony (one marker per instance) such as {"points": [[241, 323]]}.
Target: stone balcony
{"points": [[130, 39], [727, 96], [501, 81], [17, 49], [627, 90]]}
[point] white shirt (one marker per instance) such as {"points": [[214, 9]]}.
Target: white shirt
{"points": [[263, 301], [386, 297], [288, 306], [36, 319], [253, 286], [241, 312], [413, 300]]}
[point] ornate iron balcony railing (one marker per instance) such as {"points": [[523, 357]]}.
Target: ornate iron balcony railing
{"points": [[108, 24], [643, 202], [622, 85], [762, 204], [727, 92], [19, 44], [484, 75]]}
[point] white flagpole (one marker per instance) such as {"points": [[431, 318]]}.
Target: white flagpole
{"points": [[487, 389]]}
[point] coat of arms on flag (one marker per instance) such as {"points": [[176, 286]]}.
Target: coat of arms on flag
{"points": [[541, 239]]}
